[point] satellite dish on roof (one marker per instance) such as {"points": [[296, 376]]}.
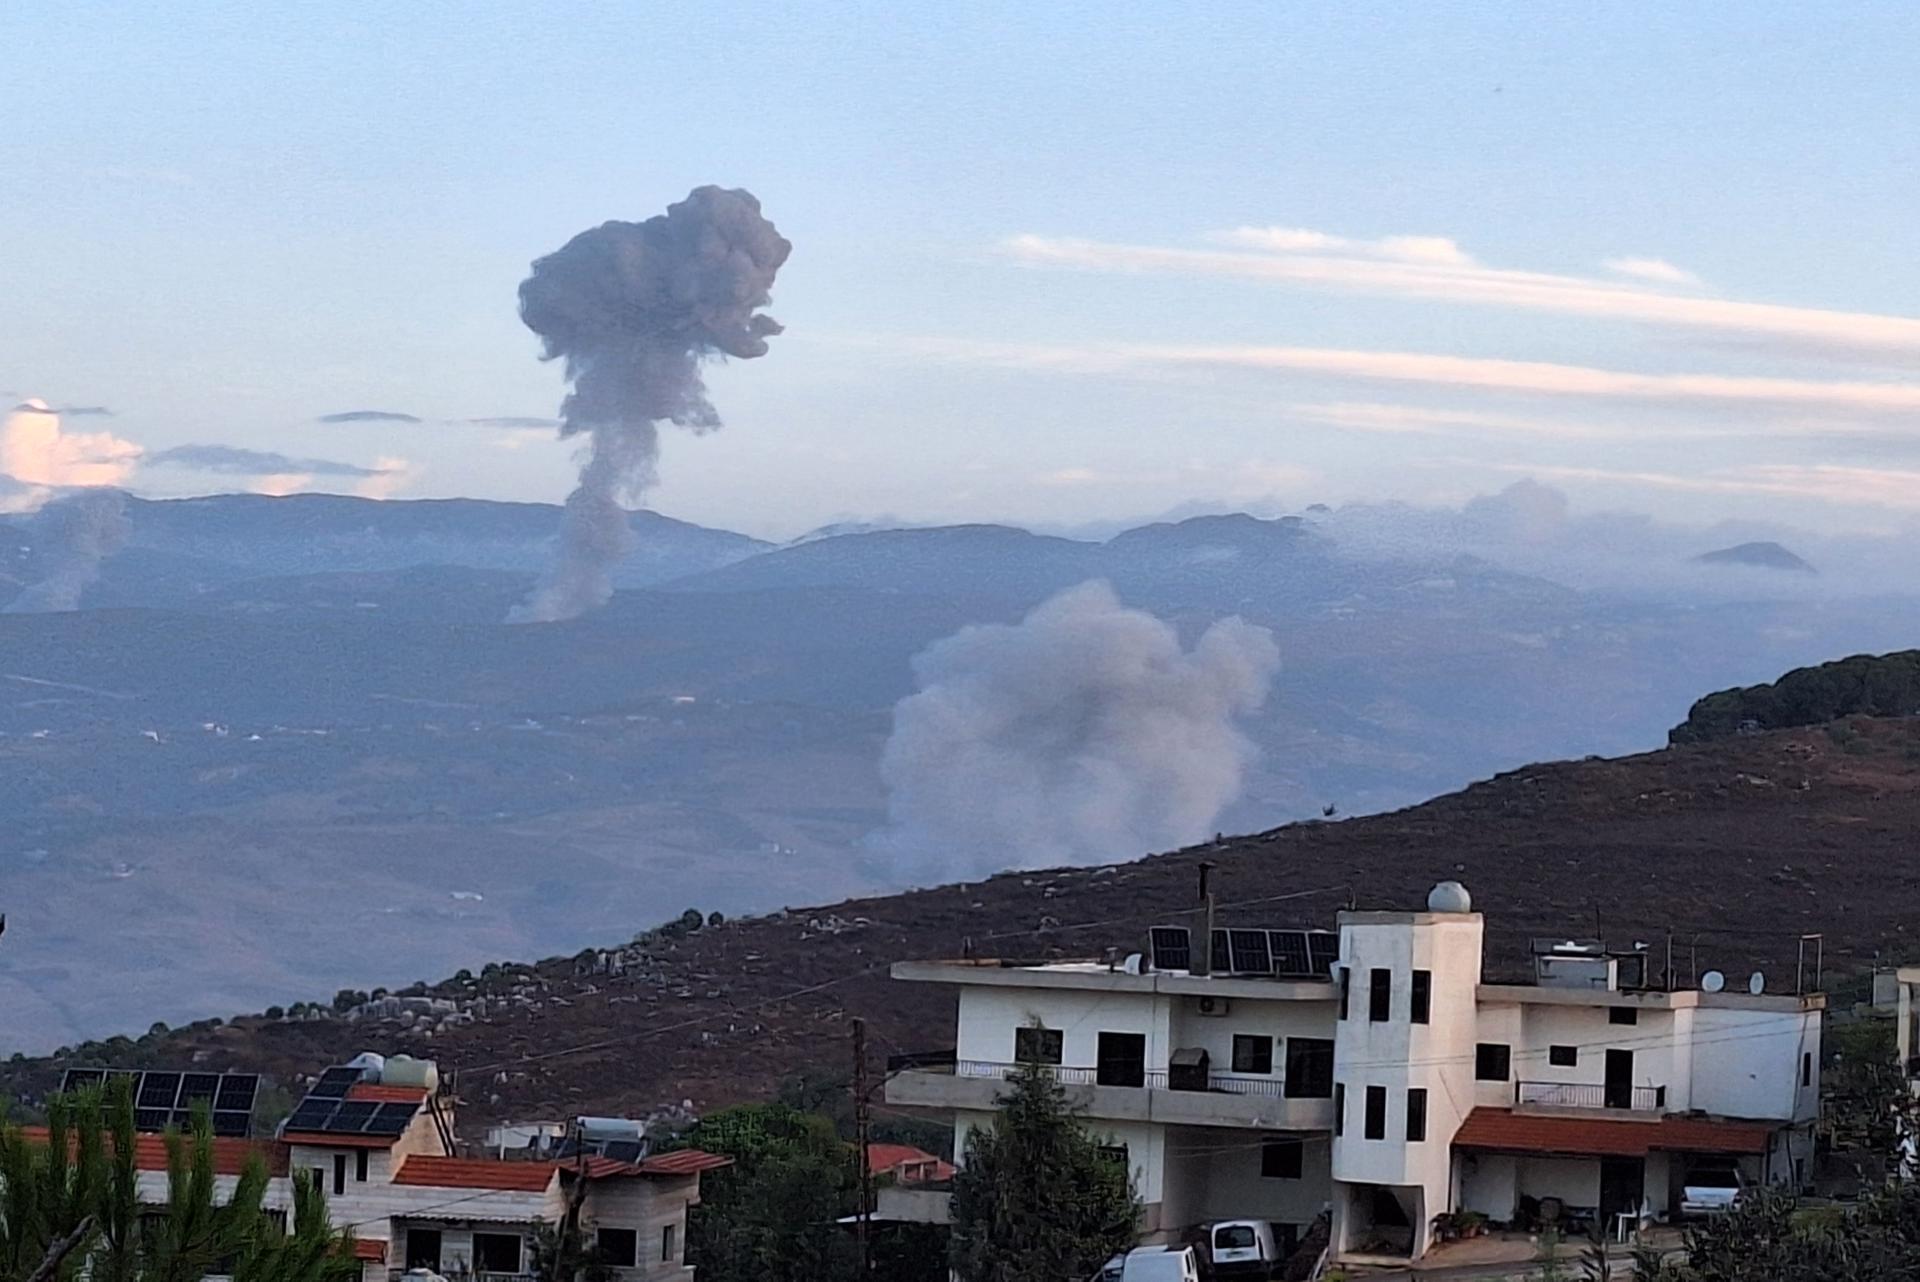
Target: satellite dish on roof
{"points": [[1757, 982], [1712, 982]]}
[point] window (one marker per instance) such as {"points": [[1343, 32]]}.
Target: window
{"points": [[360, 1166], [423, 1249], [670, 1243], [1380, 997], [1339, 1108], [1309, 1068], [1281, 1159], [1376, 1113], [496, 1252], [620, 1248], [1122, 1060], [339, 1172], [1622, 1015], [1416, 1114], [1563, 1056], [1037, 1045], [1806, 1068], [1422, 996], [1346, 989], [1492, 1062], [1252, 1054]]}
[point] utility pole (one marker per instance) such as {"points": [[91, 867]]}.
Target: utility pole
{"points": [[861, 1126]]}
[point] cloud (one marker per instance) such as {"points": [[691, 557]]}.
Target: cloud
{"points": [[229, 460], [515, 421], [1435, 276], [1421, 420], [1657, 270], [36, 450], [84, 411], [1828, 483], [1432, 250], [368, 416]]}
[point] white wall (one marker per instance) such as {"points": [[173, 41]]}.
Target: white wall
{"points": [[1145, 1141], [1222, 1170], [1275, 1021], [989, 1017], [1490, 1184], [1747, 1063], [1574, 1180]]}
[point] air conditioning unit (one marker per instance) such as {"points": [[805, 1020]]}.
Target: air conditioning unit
{"points": [[1213, 1006]]}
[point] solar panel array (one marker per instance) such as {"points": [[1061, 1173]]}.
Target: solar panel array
{"points": [[1286, 954], [327, 1111], [163, 1098]]}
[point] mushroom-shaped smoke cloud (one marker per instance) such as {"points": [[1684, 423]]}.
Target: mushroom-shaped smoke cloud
{"points": [[1083, 733], [633, 308]]}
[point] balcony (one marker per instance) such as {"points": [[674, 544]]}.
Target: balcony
{"points": [[933, 1081], [1585, 1095]]}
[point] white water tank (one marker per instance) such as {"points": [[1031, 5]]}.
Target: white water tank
{"points": [[1449, 897], [405, 1070]]}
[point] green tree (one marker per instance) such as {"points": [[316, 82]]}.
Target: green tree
{"points": [[772, 1216], [1036, 1200]]}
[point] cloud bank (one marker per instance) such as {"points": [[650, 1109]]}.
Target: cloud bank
{"points": [[368, 416], [39, 453]]}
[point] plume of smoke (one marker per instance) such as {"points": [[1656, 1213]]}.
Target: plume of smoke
{"points": [[633, 309], [71, 536], [1083, 733]]}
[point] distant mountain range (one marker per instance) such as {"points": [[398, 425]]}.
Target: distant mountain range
{"points": [[288, 745], [1763, 555]]}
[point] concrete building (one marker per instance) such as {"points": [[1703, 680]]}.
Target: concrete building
{"points": [[1392, 1086], [412, 1202]]}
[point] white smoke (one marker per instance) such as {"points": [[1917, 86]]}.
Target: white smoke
{"points": [[71, 537], [1083, 733]]}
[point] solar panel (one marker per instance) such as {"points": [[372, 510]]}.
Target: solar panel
{"points": [[1172, 947], [391, 1119], [236, 1125], [1323, 949], [351, 1116], [236, 1092], [312, 1115], [334, 1083], [624, 1150], [1222, 959], [181, 1119], [158, 1090], [195, 1086], [1290, 955], [75, 1078], [151, 1119], [1250, 954]]}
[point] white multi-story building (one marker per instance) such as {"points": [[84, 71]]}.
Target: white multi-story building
{"points": [[1394, 1084]]}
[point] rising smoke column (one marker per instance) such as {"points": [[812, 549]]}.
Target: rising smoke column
{"points": [[1083, 733], [633, 308], [71, 536]]}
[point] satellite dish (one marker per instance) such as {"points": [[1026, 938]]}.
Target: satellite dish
{"points": [[1757, 982], [1712, 982]]}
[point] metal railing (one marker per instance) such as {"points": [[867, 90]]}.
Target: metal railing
{"points": [[1157, 1079], [1638, 1099]]}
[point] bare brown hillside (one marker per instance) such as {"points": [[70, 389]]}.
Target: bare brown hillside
{"points": [[1735, 846]]}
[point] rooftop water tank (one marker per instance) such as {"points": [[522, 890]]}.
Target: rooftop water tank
{"points": [[405, 1070], [1449, 897]]}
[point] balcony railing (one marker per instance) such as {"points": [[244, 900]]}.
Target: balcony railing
{"points": [[1155, 1079], [1638, 1099]]}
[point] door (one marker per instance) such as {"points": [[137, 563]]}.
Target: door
{"points": [[1619, 1090], [1122, 1059], [1622, 1184], [423, 1249]]}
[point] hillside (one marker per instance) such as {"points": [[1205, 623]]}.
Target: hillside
{"points": [[1883, 685], [1735, 846]]}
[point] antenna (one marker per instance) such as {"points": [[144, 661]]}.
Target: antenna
{"points": [[1712, 982], [1757, 982]]}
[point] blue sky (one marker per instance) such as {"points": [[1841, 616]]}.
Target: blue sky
{"points": [[229, 221]]}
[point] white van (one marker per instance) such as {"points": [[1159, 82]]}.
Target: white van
{"points": [[1161, 1264], [1243, 1249]]}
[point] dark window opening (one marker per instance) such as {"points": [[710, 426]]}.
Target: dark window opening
{"points": [[1339, 1108], [1346, 989], [1117, 1154], [339, 1172], [1806, 1068], [1492, 1062], [1563, 1056], [620, 1248], [423, 1249], [1037, 1045], [1376, 1113], [1416, 1114], [1252, 1054], [360, 1166], [1622, 1015], [1380, 997], [1282, 1159], [1122, 1060], [496, 1252], [1309, 1068], [1422, 996], [670, 1243]]}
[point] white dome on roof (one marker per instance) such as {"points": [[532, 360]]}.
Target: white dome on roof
{"points": [[1449, 897]]}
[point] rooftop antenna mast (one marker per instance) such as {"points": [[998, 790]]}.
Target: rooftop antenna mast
{"points": [[1201, 962]]}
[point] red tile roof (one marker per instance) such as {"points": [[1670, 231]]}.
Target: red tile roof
{"points": [[386, 1094], [884, 1158], [476, 1173], [324, 1139], [686, 1161], [370, 1248], [1502, 1128], [229, 1155]]}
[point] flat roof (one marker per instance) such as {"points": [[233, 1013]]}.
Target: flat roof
{"points": [[1085, 976], [1647, 998]]}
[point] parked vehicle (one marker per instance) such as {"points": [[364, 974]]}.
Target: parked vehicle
{"points": [[1244, 1249], [1710, 1190], [1161, 1264], [1111, 1270]]}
